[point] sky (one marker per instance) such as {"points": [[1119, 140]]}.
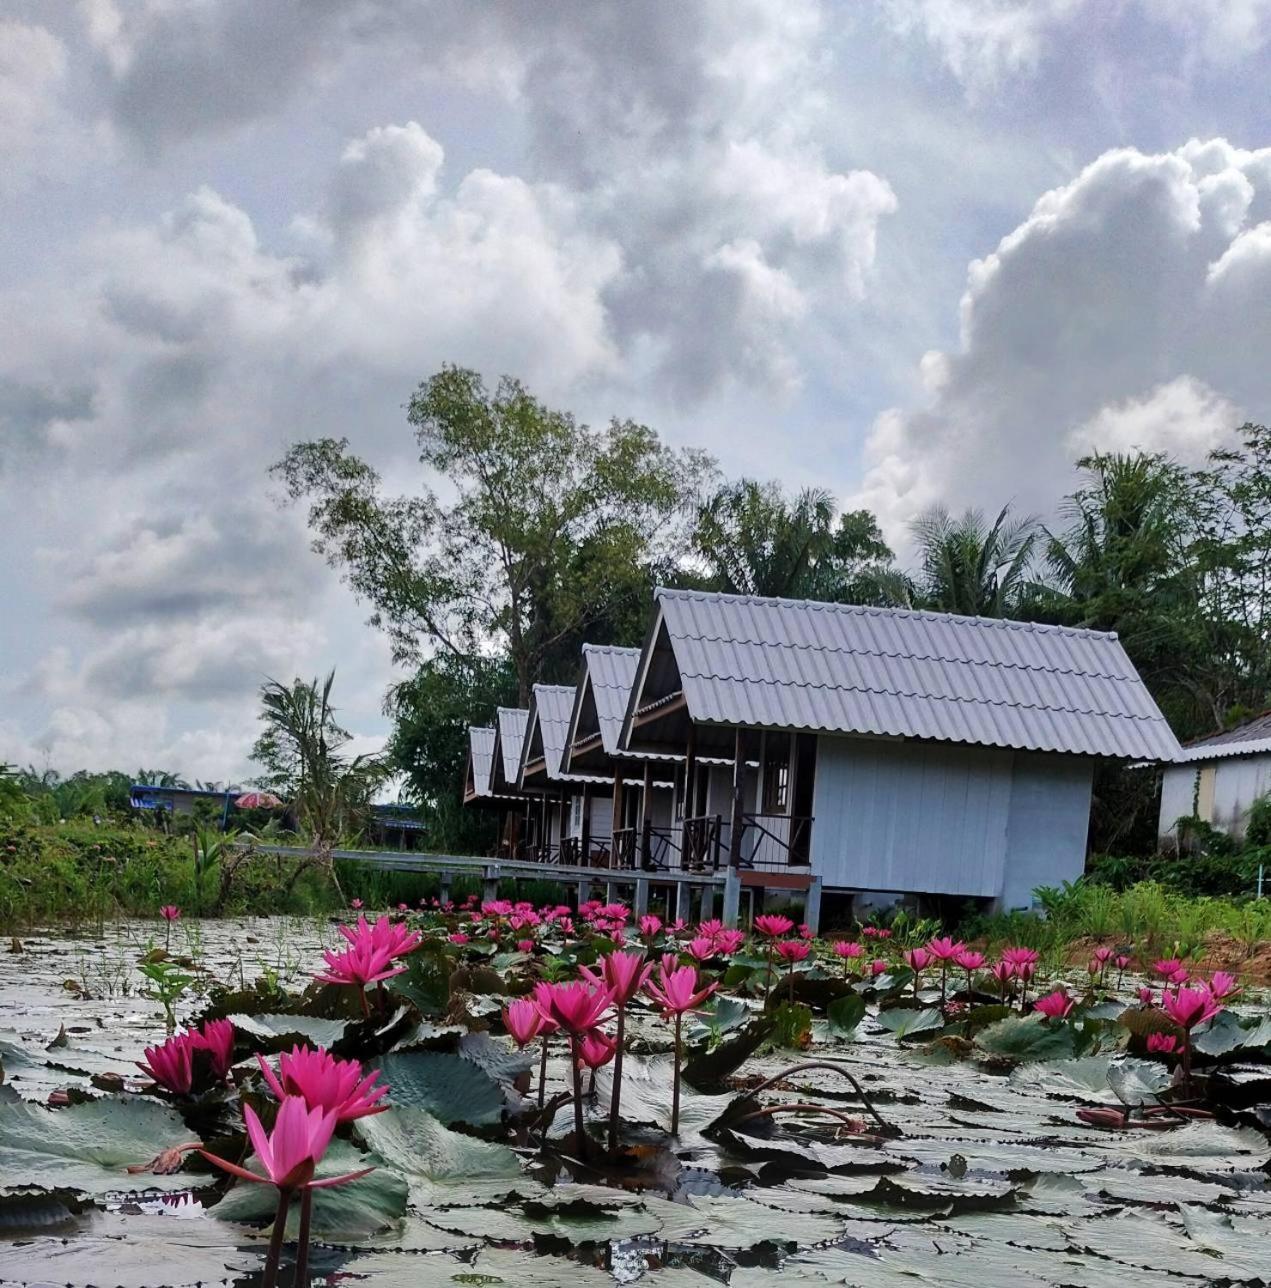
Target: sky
{"points": [[914, 251]]}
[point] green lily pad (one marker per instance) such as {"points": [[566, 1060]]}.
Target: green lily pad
{"points": [[909, 1023], [279, 1032], [1021, 1038], [89, 1147], [451, 1088], [845, 1015], [1226, 1033], [1094, 1079]]}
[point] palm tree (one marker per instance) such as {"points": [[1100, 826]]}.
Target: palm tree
{"points": [[970, 567], [755, 541]]}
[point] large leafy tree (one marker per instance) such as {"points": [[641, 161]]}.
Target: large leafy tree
{"points": [[971, 566], [547, 528], [754, 540], [431, 713]]}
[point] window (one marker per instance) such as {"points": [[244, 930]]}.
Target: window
{"points": [[576, 816], [776, 773]]}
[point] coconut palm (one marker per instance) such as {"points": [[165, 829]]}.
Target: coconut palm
{"points": [[969, 566]]}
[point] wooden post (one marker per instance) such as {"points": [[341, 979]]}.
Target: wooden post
{"points": [[616, 822], [739, 792], [645, 821], [584, 844], [690, 774], [564, 825], [543, 827]]}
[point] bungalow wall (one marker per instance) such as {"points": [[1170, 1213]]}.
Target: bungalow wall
{"points": [[1221, 791], [930, 818]]}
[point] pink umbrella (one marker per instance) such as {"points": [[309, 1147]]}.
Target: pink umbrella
{"points": [[258, 800]]}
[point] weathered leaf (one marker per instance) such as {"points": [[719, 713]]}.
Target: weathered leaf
{"points": [[904, 1022], [1025, 1038], [451, 1088], [279, 1032], [845, 1014]]}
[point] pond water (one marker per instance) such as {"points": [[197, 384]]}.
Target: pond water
{"points": [[992, 1180]]}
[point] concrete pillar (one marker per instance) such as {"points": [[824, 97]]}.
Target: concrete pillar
{"points": [[708, 902], [641, 903], [490, 885], [611, 892], [444, 893], [732, 896], [812, 905], [683, 901], [584, 891]]}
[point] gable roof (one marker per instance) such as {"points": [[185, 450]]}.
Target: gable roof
{"points": [[546, 730], [746, 661], [480, 759], [1249, 739], [509, 735]]}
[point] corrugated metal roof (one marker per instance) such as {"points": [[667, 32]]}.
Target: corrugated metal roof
{"points": [[611, 672], [1252, 738], [511, 730], [796, 664], [552, 708], [481, 753]]}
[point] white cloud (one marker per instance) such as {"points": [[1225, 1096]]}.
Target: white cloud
{"points": [[1131, 306]]}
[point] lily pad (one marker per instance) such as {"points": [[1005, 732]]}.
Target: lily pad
{"points": [[89, 1147], [845, 1014], [1021, 1038], [448, 1086], [1094, 1079], [278, 1032], [904, 1022]]}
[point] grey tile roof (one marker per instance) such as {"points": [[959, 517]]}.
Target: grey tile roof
{"points": [[611, 672], [1249, 739], [481, 753], [553, 705], [794, 664], [511, 734]]}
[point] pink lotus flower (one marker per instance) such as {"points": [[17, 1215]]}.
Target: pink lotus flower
{"points": [[1021, 957], [1003, 972], [1188, 1007], [1054, 1006], [395, 938], [969, 960], [458, 937], [216, 1037], [650, 924], [917, 959], [334, 1086], [1102, 955], [701, 948], [575, 1008], [1167, 966], [623, 975], [1122, 962], [523, 1020], [355, 904], [1093, 967], [878, 967], [1162, 1043], [676, 991], [728, 942], [945, 950], [709, 929], [677, 925], [869, 932], [170, 912], [806, 932], [670, 961], [773, 925], [793, 950], [595, 1049], [846, 948], [171, 1064], [292, 1151], [360, 965], [524, 945], [1146, 996], [1179, 976], [1223, 985]]}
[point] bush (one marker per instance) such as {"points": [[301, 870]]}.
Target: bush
{"points": [[1189, 874]]}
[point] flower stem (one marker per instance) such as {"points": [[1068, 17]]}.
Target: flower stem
{"points": [[302, 1242], [615, 1103], [542, 1073], [675, 1085], [270, 1278], [576, 1065]]}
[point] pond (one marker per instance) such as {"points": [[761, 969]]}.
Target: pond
{"points": [[944, 1148]]}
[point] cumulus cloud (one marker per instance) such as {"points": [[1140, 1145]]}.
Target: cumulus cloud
{"points": [[1129, 308]]}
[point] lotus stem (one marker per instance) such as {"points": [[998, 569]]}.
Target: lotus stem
{"points": [[769, 1111], [576, 1065], [834, 1068], [675, 1085], [274, 1255], [542, 1073], [302, 1243], [616, 1101]]}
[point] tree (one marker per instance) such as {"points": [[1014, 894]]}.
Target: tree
{"points": [[300, 751], [553, 527], [755, 541], [431, 713], [969, 567]]}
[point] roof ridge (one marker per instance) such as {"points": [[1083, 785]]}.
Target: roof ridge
{"points": [[925, 614]]}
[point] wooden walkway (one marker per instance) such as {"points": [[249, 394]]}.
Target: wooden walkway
{"points": [[607, 883]]}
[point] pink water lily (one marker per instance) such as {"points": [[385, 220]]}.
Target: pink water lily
{"points": [[773, 925], [171, 1064], [523, 1020], [1055, 1006], [575, 1008], [216, 1037], [1188, 1007], [945, 949], [701, 948], [596, 1049], [291, 1152], [650, 924], [170, 912], [623, 973], [676, 992], [1162, 1043], [1223, 985], [361, 964], [794, 950], [728, 942], [917, 959], [847, 948], [396, 938], [324, 1082]]}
